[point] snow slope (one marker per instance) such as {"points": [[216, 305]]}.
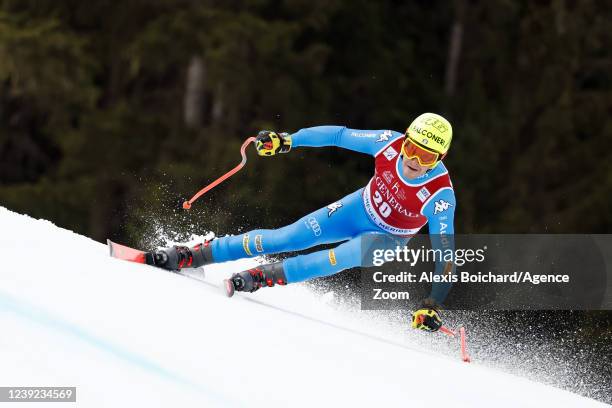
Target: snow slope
{"points": [[131, 335]]}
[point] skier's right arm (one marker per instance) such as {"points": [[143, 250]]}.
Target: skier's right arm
{"points": [[364, 141]]}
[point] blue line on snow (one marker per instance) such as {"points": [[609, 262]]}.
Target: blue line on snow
{"points": [[37, 315]]}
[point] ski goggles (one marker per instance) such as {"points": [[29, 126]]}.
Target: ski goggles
{"points": [[425, 157]]}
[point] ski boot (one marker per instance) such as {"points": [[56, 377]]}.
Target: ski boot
{"points": [[255, 278], [177, 257]]}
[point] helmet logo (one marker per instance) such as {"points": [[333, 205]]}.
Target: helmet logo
{"points": [[437, 124], [424, 141], [430, 135]]}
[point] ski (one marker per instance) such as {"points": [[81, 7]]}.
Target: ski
{"points": [[126, 253], [130, 254]]}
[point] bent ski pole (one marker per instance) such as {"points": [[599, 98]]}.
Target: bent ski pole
{"points": [[187, 204]]}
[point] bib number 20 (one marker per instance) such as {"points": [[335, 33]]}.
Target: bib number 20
{"points": [[383, 207]]}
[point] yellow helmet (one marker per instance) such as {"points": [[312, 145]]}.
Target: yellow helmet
{"points": [[431, 131]]}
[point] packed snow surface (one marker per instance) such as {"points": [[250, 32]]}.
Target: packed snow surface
{"points": [[131, 335]]}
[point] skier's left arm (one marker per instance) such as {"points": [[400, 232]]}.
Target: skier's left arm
{"points": [[440, 213]]}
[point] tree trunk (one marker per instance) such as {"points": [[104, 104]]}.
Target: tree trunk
{"points": [[454, 49], [194, 93], [559, 8]]}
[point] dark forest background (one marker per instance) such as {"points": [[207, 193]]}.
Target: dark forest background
{"points": [[109, 110], [113, 113]]}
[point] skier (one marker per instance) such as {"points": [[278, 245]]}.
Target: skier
{"points": [[410, 188]]}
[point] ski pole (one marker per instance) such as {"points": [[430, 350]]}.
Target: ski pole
{"points": [[187, 204], [447, 331], [464, 354], [462, 341]]}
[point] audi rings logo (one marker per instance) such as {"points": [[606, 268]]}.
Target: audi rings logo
{"points": [[314, 226]]}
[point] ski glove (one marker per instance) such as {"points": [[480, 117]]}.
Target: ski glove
{"points": [[270, 143], [427, 317]]}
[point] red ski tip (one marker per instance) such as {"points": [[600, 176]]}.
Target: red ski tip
{"points": [[186, 205], [126, 253], [229, 287]]}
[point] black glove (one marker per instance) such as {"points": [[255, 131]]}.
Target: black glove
{"points": [[270, 143]]}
